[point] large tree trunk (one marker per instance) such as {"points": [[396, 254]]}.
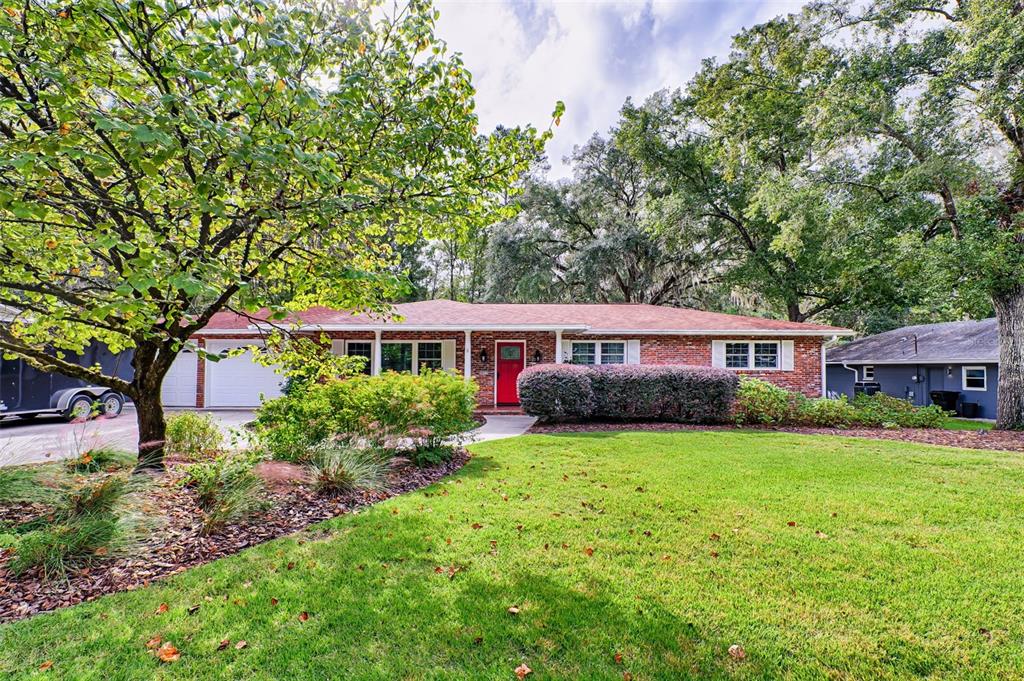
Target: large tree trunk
{"points": [[1010, 312], [151, 363], [152, 430]]}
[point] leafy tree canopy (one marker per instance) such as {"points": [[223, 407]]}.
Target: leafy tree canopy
{"points": [[161, 161]]}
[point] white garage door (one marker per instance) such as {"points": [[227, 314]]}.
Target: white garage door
{"points": [[179, 388], [238, 381]]}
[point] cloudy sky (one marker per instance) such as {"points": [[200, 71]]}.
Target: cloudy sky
{"points": [[527, 54]]}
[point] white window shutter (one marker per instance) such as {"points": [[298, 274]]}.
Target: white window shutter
{"points": [[632, 352], [448, 354], [566, 351], [338, 347], [718, 354], [787, 355]]}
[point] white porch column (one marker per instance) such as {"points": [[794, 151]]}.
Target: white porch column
{"points": [[467, 361], [558, 346], [375, 370]]}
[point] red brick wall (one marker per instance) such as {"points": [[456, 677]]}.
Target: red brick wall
{"points": [[696, 350]]}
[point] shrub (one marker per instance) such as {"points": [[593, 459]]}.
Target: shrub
{"points": [[226, 487], [826, 412], [193, 435], [758, 401], [676, 393], [56, 548], [380, 410], [557, 392], [886, 411], [339, 467]]}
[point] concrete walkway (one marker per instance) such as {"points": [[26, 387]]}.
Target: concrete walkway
{"points": [[500, 427]]}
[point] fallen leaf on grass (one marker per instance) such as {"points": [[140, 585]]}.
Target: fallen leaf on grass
{"points": [[161, 609], [522, 671], [617, 657], [792, 523], [513, 610], [736, 652], [241, 644], [274, 601], [714, 536], [224, 644], [153, 642], [589, 551], [476, 526], [168, 653], [303, 616], [627, 676], [820, 535], [46, 665]]}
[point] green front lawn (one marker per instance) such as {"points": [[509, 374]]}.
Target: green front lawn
{"points": [[821, 556], [954, 423]]}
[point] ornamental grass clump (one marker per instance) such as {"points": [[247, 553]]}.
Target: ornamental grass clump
{"points": [[340, 467], [227, 488]]}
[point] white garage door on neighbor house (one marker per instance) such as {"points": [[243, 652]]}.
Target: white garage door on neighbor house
{"points": [[238, 381], [179, 388]]}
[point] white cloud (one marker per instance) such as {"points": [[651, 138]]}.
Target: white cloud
{"points": [[527, 54]]}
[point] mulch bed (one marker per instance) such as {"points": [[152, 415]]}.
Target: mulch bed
{"points": [[970, 439], [180, 544]]}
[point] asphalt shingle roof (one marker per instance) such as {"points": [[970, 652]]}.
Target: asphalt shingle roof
{"points": [[593, 317], [975, 341]]}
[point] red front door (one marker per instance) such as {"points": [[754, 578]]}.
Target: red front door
{"points": [[510, 363]]}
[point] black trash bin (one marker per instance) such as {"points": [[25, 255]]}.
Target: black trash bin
{"points": [[945, 398], [866, 388], [969, 410]]}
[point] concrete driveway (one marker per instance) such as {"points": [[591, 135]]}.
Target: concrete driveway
{"points": [[47, 438]]}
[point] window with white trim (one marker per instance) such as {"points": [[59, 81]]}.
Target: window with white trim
{"points": [[867, 373], [758, 355], [975, 378], [603, 352], [429, 356], [362, 349], [396, 357]]}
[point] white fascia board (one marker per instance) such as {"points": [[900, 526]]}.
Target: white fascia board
{"points": [[957, 360], [732, 333], [441, 327]]}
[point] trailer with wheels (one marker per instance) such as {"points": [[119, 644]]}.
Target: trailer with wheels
{"points": [[26, 391]]}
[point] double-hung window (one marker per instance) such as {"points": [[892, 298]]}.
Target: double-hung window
{"points": [[598, 352], [867, 373], [361, 349], [752, 355], [429, 356]]}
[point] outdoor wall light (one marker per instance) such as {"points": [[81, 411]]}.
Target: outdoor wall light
{"points": [[483, 355]]}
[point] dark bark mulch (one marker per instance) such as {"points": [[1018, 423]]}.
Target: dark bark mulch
{"points": [[179, 543], [1001, 440]]}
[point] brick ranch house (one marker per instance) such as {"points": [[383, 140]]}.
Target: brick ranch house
{"points": [[494, 342]]}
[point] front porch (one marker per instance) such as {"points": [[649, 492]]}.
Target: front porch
{"points": [[494, 358]]}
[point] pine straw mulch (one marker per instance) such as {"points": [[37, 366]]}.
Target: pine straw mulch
{"points": [[179, 543], [1000, 440]]}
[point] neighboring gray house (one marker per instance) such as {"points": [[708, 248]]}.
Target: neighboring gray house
{"points": [[914, 361]]}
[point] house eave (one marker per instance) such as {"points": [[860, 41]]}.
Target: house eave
{"points": [[954, 360]]}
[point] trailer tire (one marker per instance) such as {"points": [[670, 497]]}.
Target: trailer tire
{"points": [[80, 407], [111, 404]]}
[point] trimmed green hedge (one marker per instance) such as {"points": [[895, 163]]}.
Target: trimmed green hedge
{"points": [[678, 393]]}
